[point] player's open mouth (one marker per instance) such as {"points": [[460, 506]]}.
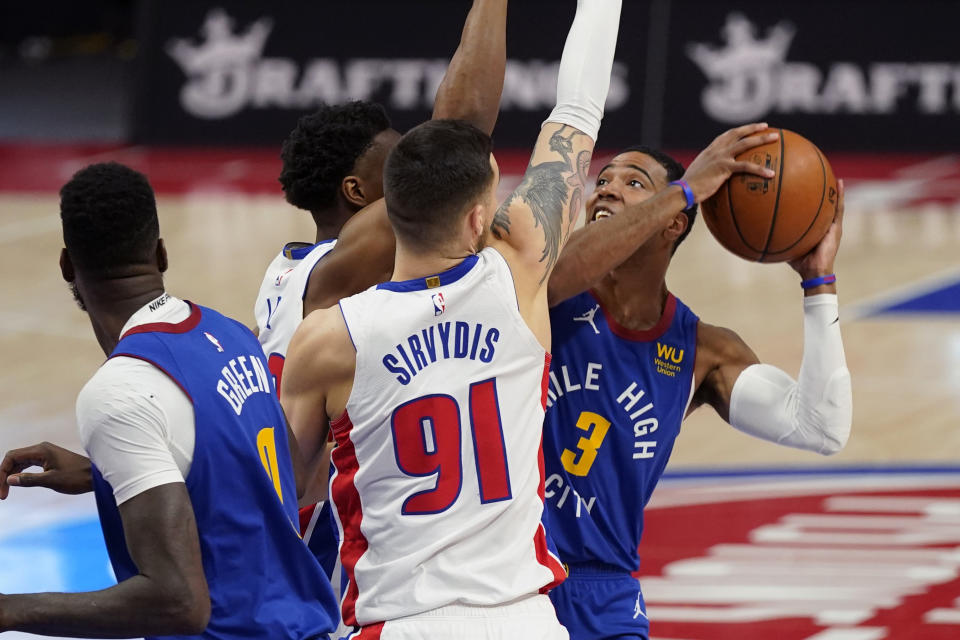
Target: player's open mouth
{"points": [[602, 213]]}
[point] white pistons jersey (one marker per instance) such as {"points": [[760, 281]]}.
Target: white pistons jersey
{"points": [[439, 485], [279, 306]]}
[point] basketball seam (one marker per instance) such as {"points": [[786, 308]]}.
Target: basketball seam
{"points": [[776, 204], [733, 216], [823, 196]]}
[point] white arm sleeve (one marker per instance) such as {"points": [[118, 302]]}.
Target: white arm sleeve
{"points": [[813, 414], [586, 65], [137, 426]]}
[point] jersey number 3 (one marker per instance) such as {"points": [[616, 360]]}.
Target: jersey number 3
{"points": [[427, 441], [597, 426]]}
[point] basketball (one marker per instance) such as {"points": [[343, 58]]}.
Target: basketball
{"points": [[780, 218]]}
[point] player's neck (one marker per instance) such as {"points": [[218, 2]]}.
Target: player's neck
{"points": [[411, 263], [636, 291], [330, 222], [111, 303]]}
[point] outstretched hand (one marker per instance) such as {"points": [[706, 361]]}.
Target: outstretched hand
{"points": [[715, 164], [63, 471], [819, 262]]}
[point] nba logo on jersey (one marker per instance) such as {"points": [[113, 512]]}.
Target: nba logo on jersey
{"points": [[438, 304], [281, 277], [215, 342]]}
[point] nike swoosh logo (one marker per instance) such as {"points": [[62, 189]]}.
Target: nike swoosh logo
{"points": [[835, 321]]}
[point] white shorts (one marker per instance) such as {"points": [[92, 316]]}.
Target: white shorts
{"points": [[530, 618]]}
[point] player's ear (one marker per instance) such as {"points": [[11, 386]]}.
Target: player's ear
{"points": [[477, 220], [353, 192], [66, 266], [161, 255], [676, 227]]}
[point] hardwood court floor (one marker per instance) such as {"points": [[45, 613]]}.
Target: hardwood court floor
{"points": [[905, 367]]}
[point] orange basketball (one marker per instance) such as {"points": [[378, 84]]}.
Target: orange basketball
{"points": [[780, 218]]}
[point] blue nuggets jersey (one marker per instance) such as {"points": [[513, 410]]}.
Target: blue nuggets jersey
{"points": [[615, 402], [263, 581]]}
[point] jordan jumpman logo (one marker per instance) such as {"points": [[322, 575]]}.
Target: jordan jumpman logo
{"points": [[588, 317]]}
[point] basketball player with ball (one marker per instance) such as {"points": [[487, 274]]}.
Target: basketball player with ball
{"points": [[630, 360]]}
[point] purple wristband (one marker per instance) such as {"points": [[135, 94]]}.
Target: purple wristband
{"points": [[816, 282], [687, 192]]}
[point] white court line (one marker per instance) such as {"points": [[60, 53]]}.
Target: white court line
{"points": [[861, 633], [37, 509], [863, 308]]}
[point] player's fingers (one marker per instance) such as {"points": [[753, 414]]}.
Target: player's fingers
{"points": [[840, 204], [35, 454], [745, 144], [17, 460], [752, 167], [31, 479], [747, 130]]}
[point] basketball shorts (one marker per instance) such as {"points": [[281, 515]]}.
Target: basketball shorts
{"points": [[600, 602], [321, 535], [530, 618]]}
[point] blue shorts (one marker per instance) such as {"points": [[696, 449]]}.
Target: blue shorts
{"points": [[599, 602]]}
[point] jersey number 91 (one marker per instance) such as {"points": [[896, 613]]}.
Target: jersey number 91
{"points": [[427, 442]]}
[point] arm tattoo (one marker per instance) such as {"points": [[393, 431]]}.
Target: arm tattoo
{"points": [[545, 189]]}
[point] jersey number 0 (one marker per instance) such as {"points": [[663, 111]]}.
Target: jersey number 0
{"points": [[427, 441]]}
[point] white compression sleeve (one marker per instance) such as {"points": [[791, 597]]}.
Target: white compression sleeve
{"points": [[813, 414], [586, 65]]}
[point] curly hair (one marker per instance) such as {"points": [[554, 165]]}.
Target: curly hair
{"points": [[323, 149], [675, 171], [109, 217]]}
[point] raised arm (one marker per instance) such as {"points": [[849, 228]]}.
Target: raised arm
{"points": [[605, 244], [814, 412], [471, 88], [531, 227], [473, 84]]}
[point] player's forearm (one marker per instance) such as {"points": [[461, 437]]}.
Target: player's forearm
{"points": [[814, 413], [825, 389], [473, 84], [586, 65], [601, 246], [134, 608]]}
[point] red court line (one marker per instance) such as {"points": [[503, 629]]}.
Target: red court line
{"points": [[44, 168]]}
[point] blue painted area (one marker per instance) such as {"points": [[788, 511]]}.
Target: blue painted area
{"points": [[68, 557], [945, 299]]}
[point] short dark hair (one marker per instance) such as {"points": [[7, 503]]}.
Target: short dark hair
{"points": [[675, 171], [109, 217], [323, 149], [435, 172]]}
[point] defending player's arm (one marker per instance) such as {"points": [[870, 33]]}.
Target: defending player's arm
{"points": [[604, 245], [531, 227], [814, 412], [168, 597], [471, 89], [316, 381]]}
